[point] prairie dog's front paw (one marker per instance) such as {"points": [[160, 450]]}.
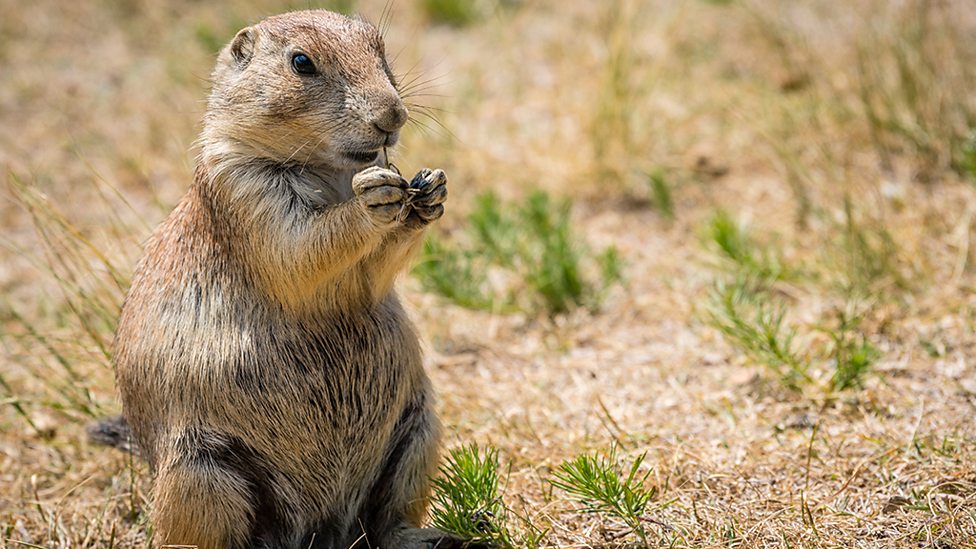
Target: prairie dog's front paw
{"points": [[382, 192], [428, 191]]}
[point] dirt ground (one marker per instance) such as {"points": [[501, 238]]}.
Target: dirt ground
{"points": [[776, 112]]}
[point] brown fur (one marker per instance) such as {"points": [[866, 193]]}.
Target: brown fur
{"points": [[267, 370]]}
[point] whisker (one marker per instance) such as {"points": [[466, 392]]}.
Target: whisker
{"points": [[432, 81], [411, 72], [386, 18], [418, 90], [420, 107], [392, 60], [416, 74], [323, 132], [293, 153], [309, 155], [415, 94], [421, 127], [437, 121]]}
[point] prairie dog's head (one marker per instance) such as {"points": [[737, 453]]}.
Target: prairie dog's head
{"points": [[307, 87]]}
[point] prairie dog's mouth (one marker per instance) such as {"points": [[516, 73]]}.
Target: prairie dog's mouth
{"points": [[363, 157]]}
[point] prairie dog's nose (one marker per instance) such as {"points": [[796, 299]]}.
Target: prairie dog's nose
{"points": [[390, 117]]}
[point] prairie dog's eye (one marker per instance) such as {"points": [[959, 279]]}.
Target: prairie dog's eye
{"points": [[302, 64]]}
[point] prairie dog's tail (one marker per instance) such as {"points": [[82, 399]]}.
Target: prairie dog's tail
{"points": [[114, 432]]}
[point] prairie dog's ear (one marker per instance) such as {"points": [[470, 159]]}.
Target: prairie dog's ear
{"points": [[242, 47]]}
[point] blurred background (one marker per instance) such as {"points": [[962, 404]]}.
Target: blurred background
{"points": [[725, 245]]}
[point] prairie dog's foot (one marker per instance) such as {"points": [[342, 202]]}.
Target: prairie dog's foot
{"points": [[432, 538], [383, 192], [428, 191]]}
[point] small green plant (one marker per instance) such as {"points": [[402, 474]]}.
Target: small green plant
{"points": [[750, 322], [852, 355], [756, 327], [853, 359], [493, 230], [966, 157], [453, 273], [552, 262], [868, 255], [594, 481], [737, 246], [466, 499], [661, 194], [611, 267], [451, 12], [533, 244]]}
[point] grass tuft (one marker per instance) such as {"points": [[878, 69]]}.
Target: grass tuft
{"points": [[966, 160], [734, 243], [89, 289], [661, 194], [467, 501], [594, 481], [852, 355], [533, 244], [868, 255], [453, 273], [756, 327], [556, 275]]}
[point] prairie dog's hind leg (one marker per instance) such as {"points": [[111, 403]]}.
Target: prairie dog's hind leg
{"points": [[213, 493], [397, 503]]}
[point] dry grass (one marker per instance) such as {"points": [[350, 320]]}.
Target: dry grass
{"points": [[836, 132]]}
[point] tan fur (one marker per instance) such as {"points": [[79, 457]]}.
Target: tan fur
{"points": [[266, 367]]}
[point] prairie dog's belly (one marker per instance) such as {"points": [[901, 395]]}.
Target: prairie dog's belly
{"points": [[344, 370], [307, 392], [308, 408]]}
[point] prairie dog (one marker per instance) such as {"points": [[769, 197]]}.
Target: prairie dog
{"points": [[267, 370]]}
